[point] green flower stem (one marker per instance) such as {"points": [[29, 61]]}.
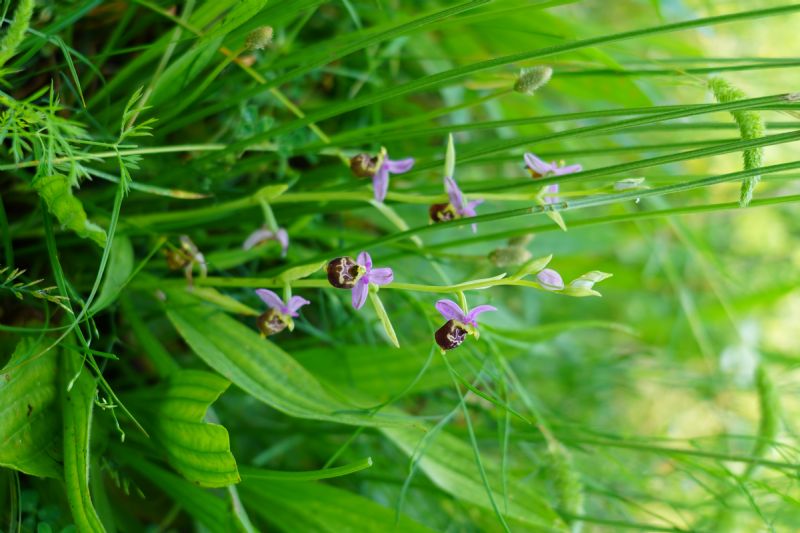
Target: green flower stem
{"points": [[271, 283], [269, 216]]}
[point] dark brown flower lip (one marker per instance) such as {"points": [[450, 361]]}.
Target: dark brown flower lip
{"points": [[364, 165], [442, 212], [343, 272], [451, 335], [177, 259], [271, 322]]}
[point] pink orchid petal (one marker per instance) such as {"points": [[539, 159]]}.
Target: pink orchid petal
{"points": [[399, 166], [272, 300], [380, 183], [364, 260], [454, 193], [360, 292], [450, 310], [381, 276], [571, 169], [473, 314], [537, 165], [258, 236], [295, 303], [283, 238], [552, 190]]}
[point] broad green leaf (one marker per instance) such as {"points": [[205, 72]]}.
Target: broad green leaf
{"points": [[260, 367], [120, 266], [56, 192], [309, 506], [450, 464], [77, 403], [30, 427], [198, 450], [201, 504]]}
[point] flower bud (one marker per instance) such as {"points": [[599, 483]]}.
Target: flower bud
{"points": [[270, 322], [503, 257], [522, 240], [451, 335], [550, 280], [259, 38], [364, 165], [441, 212], [531, 79], [343, 272]]}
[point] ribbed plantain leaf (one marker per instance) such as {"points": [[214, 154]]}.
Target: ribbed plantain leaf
{"points": [[29, 423], [198, 450]]}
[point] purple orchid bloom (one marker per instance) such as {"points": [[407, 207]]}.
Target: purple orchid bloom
{"points": [[378, 276], [380, 180], [279, 315], [274, 301], [459, 324], [263, 234], [550, 280], [542, 169], [347, 273], [459, 203]]}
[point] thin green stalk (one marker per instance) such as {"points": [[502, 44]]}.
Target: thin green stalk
{"points": [[478, 461], [311, 475]]}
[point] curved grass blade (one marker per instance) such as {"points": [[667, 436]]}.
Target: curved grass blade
{"points": [[308, 475]]}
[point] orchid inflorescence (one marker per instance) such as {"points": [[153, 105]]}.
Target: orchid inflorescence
{"points": [[364, 280]]}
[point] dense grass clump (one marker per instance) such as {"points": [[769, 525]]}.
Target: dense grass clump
{"points": [[414, 266]]}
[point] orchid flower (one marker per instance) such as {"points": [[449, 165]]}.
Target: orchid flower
{"points": [[186, 257], [548, 194], [379, 169], [458, 206], [541, 169], [346, 273], [279, 315], [263, 234], [459, 324]]}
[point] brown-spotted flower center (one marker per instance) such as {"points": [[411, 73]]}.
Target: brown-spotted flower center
{"points": [[459, 324], [279, 315], [346, 273]]}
